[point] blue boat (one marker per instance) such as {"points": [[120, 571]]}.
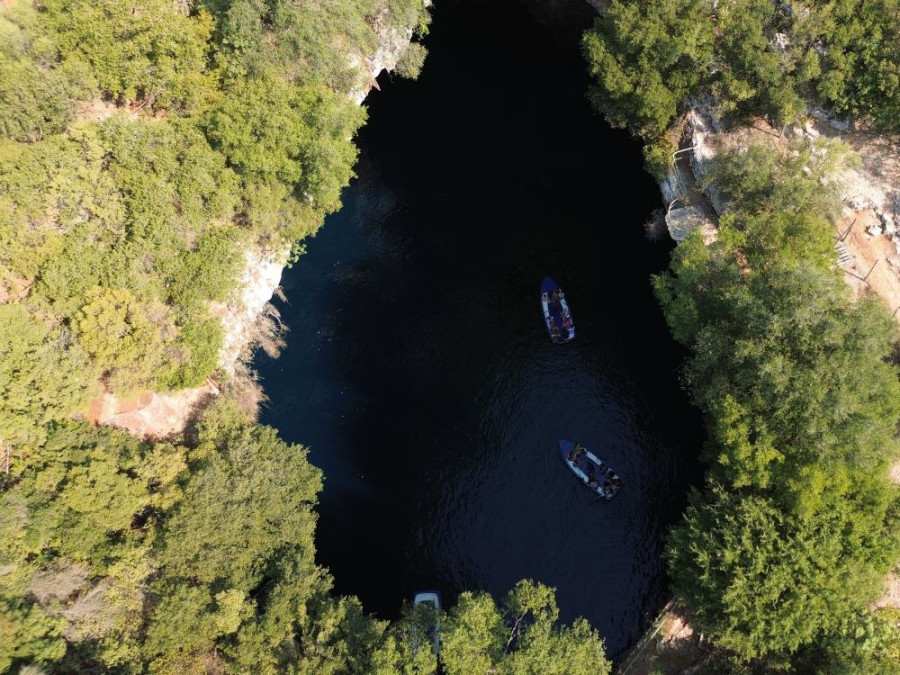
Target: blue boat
{"points": [[593, 472], [557, 316]]}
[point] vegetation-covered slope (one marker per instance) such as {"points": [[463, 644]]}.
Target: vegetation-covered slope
{"points": [[782, 551], [751, 57], [146, 144]]}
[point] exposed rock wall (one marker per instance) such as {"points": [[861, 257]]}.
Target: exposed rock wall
{"points": [[259, 280], [873, 186], [392, 43], [151, 415]]}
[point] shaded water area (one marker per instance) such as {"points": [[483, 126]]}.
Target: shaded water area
{"points": [[418, 370]]}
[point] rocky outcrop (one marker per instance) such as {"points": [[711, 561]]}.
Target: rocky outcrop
{"points": [[151, 415], [870, 187], [259, 281], [392, 43], [867, 243]]}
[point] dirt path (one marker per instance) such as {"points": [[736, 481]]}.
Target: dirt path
{"points": [[670, 646], [874, 264]]}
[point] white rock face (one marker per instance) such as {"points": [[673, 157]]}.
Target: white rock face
{"points": [[392, 46], [392, 43], [669, 188], [702, 131], [259, 280], [683, 221]]}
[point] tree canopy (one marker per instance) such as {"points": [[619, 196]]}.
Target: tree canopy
{"points": [[744, 57], [798, 524], [521, 636], [122, 556], [145, 146]]}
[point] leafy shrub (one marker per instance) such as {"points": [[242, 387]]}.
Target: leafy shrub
{"points": [[148, 52], [38, 92], [798, 528], [44, 376], [124, 336]]}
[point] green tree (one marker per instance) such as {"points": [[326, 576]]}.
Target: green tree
{"points": [[409, 648], [763, 64], [861, 59], [781, 207], [124, 336], [27, 633], [802, 370], [75, 531], [237, 553], [274, 132], [38, 92], [763, 581], [520, 637], [867, 642], [646, 58], [132, 56], [44, 376]]}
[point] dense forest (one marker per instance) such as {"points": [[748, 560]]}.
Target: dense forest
{"points": [[145, 146], [781, 552], [743, 58]]}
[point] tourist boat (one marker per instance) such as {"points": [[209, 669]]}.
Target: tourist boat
{"points": [[430, 601], [592, 471], [557, 317]]}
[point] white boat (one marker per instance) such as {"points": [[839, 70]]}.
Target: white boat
{"points": [[427, 614], [593, 472]]}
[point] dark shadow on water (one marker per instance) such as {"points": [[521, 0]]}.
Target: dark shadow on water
{"points": [[418, 370]]}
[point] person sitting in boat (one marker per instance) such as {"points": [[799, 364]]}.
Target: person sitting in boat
{"points": [[606, 485], [555, 296], [592, 481], [581, 452], [573, 456], [545, 298], [602, 467], [566, 322]]}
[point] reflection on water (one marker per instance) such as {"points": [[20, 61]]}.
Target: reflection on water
{"points": [[418, 370]]}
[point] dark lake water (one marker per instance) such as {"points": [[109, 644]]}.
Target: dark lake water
{"points": [[418, 370]]}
